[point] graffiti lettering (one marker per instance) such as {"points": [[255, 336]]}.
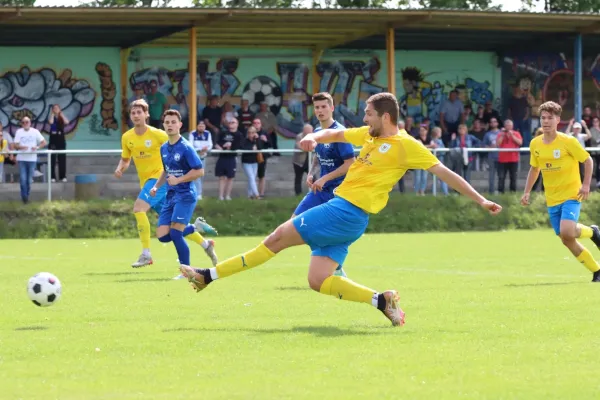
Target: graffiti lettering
{"points": [[33, 93]]}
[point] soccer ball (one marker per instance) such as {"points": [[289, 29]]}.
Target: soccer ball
{"points": [[44, 289], [263, 88]]}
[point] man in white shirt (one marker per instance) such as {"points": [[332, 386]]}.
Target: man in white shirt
{"points": [[27, 139], [202, 141]]}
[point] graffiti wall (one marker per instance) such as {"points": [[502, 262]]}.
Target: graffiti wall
{"points": [[84, 86], [544, 77], [284, 80]]}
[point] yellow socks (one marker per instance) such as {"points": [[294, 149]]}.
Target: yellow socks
{"points": [[586, 231], [345, 289], [587, 259], [195, 237], [253, 258], [143, 226]]}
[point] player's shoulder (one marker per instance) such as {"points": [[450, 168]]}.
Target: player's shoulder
{"points": [[536, 141], [156, 132], [128, 133]]}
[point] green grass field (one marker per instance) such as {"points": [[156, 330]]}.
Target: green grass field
{"points": [[505, 315]]}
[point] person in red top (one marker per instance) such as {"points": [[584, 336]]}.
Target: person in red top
{"points": [[508, 161]]}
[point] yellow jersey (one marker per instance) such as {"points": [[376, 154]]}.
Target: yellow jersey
{"points": [[379, 166], [3, 147], [145, 151], [559, 163]]}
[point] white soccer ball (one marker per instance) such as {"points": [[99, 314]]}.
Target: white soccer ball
{"points": [[44, 289]]}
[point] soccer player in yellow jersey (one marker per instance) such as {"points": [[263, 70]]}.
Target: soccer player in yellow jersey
{"points": [[330, 228], [558, 156], [142, 143]]}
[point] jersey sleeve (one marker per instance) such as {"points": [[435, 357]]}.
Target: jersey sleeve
{"points": [[162, 136], [576, 150], [356, 136], [345, 150], [533, 155], [192, 158], [418, 156], [125, 152]]}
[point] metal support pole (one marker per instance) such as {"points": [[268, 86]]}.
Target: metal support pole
{"points": [[49, 174], [578, 77]]}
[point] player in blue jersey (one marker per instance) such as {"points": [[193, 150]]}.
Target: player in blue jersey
{"points": [[334, 160], [182, 167]]}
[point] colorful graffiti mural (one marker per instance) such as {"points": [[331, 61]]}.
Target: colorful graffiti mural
{"points": [[545, 77], [424, 94]]}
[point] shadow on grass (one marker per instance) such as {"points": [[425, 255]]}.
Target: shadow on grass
{"points": [[321, 331], [112, 273], [31, 328], [143, 280], [293, 288], [517, 285]]}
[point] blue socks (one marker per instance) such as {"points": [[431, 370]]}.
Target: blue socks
{"points": [[183, 251], [165, 239], [188, 230]]}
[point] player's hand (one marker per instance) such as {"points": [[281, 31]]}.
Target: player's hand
{"points": [[584, 192], [492, 207], [118, 173], [309, 181], [525, 199], [173, 180], [318, 185], [153, 191], [307, 143]]}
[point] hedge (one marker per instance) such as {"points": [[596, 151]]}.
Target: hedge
{"points": [[241, 217]]}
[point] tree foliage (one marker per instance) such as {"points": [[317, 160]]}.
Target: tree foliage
{"points": [[134, 3], [17, 3], [460, 4], [563, 5]]}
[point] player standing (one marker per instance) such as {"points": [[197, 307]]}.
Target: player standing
{"points": [[334, 160], [329, 229], [142, 143], [558, 156]]}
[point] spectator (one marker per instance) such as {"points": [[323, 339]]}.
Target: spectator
{"points": [[489, 113], [508, 162], [490, 141], [300, 160], [421, 175], [226, 163], [211, 115], [157, 105], [3, 154], [228, 114], [9, 159], [262, 166], [595, 132], [202, 141], [461, 160], [478, 131], [519, 113], [57, 141], [250, 161], [27, 139], [246, 116], [269, 124], [587, 116], [574, 129], [410, 127], [451, 115], [438, 143], [468, 116]]}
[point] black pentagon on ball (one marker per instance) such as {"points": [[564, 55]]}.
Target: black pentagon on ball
{"points": [[51, 298], [36, 288], [36, 303]]}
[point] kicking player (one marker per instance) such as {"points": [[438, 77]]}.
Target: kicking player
{"points": [[334, 160], [142, 143], [558, 156], [329, 229]]}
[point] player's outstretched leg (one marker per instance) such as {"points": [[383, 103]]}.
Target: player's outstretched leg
{"points": [[570, 231], [283, 237], [321, 280], [140, 208]]}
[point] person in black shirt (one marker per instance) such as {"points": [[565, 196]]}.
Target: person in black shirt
{"points": [[226, 163], [57, 141], [250, 160], [211, 114], [266, 143]]}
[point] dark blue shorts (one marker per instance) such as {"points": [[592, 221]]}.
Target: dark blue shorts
{"points": [[158, 200], [329, 229], [312, 200], [177, 209], [226, 167]]}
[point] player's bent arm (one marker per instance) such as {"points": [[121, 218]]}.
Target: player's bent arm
{"points": [[532, 176], [161, 180], [192, 175], [329, 136], [588, 165], [123, 164], [457, 183], [340, 171]]}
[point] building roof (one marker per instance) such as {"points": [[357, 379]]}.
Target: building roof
{"points": [[431, 29]]}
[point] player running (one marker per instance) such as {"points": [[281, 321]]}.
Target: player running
{"points": [[558, 156], [334, 160], [142, 143], [329, 229]]}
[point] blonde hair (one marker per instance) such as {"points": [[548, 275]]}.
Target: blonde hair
{"points": [[141, 103], [551, 107]]}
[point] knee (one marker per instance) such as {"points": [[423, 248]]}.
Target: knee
{"points": [[274, 237], [165, 238], [567, 237], [315, 282], [175, 234]]}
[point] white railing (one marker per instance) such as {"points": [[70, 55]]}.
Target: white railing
{"points": [[48, 152]]}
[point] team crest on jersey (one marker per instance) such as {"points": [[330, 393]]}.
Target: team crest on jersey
{"points": [[177, 156], [385, 147], [557, 153], [327, 145], [148, 143]]}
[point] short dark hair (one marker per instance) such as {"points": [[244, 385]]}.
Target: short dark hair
{"points": [[172, 113], [385, 103], [323, 96]]}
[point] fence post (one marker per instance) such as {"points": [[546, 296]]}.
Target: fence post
{"points": [[434, 189], [49, 174]]}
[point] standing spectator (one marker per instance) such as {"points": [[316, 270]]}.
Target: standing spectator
{"points": [[269, 124], [246, 116], [519, 113], [489, 113], [202, 141], [211, 115], [157, 105], [410, 127], [228, 114], [438, 143], [226, 163], [57, 141], [490, 141], [421, 174], [468, 116], [27, 139], [587, 116], [508, 162], [300, 160], [595, 132], [9, 159], [250, 161], [3, 154], [461, 159], [477, 130], [262, 166], [451, 116], [574, 129]]}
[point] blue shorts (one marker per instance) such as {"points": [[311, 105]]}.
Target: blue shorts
{"points": [[158, 200], [329, 229], [568, 210], [312, 200], [177, 209]]}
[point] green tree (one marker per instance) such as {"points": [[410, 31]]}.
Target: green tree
{"points": [[135, 3], [461, 4], [564, 5], [19, 3]]}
